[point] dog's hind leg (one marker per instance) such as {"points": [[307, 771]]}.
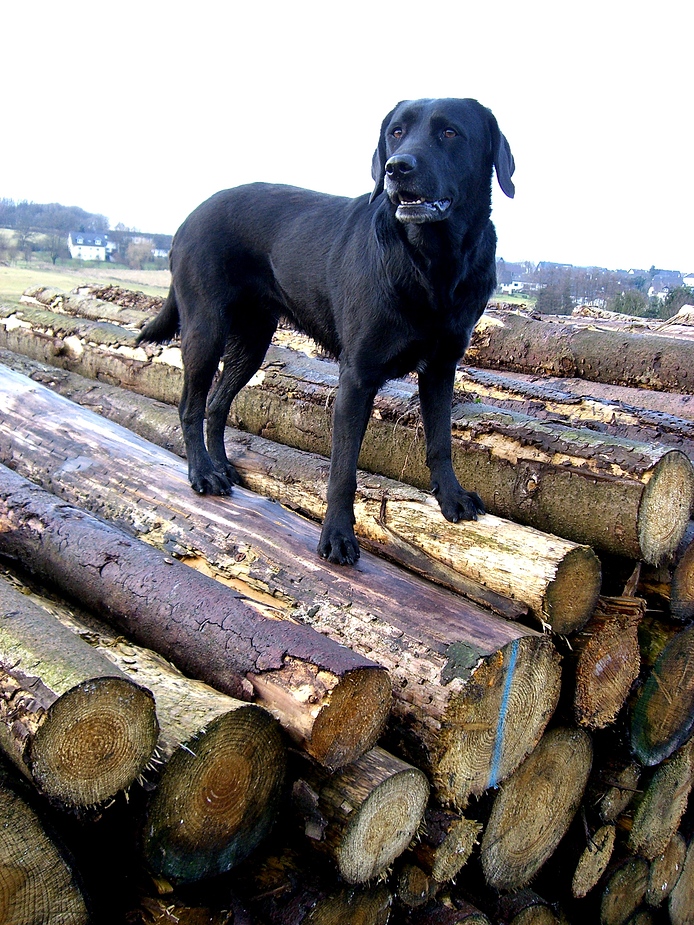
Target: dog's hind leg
{"points": [[243, 354]]}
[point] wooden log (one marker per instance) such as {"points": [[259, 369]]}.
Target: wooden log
{"points": [[525, 907], [332, 702], [681, 902], [662, 717], [607, 660], [618, 785], [451, 911], [168, 910], [364, 816], [665, 871], [659, 810], [672, 583], [71, 722], [473, 692], [505, 566], [220, 763], [534, 808], [446, 841], [593, 861], [37, 884], [507, 340], [414, 887], [548, 476], [623, 891]]}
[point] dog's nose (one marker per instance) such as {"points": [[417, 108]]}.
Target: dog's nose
{"points": [[400, 165]]}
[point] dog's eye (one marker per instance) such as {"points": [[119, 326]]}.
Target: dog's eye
{"points": [[397, 132], [449, 133]]}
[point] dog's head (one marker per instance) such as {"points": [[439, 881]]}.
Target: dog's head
{"points": [[436, 156]]}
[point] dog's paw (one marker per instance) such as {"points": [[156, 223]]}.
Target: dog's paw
{"points": [[462, 505], [210, 482], [338, 545]]}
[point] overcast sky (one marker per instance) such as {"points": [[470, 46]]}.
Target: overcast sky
{"points": [[140, 110]]}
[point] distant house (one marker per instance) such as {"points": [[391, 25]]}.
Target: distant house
{"points": [[663, 282], [510, 288], [87, 245], [688, 280]]}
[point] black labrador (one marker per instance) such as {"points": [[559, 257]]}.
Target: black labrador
{"points": [[388, 283]]}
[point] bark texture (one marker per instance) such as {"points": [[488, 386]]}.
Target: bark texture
{"points": [[489, 686]]}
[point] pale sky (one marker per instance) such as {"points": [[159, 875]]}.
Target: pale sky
{"points": [[141, 110]]}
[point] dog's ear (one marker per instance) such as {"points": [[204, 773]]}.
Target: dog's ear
{"points": [[503, 159], [378, 161]]}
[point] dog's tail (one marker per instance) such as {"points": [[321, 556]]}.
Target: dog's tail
{"points": [[165, 325]]}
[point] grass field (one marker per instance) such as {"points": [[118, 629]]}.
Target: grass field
{"points": [[14, 280]]}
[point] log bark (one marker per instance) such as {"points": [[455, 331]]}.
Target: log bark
{"points": [[364, 816], [662, 717], [659, 810], [545, 475], [506, 340], [489, 686], [446, 841], [220, 765], [534, 808], [665, 871], [37, 884], [607, 660], [331, 701], [681, 902], [72, 723], [623, 891], [505, 566], [525, 907]]}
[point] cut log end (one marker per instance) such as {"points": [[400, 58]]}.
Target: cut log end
{"points": [[96, 739], [535, 807], [498, 719], [353, 718], [384, 826], [217, 798], [593, 862], [573, 593], [665, 507]]}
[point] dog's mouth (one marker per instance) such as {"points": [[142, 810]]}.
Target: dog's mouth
{"points": [[417, 209]]}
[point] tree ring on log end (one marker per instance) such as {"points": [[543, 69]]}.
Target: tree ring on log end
{"points": [[496, 718], [353, 718], [95, 741], [573, 593], [534, 808], [663, 716], [383, 827], [665, 506], [217, 798]]}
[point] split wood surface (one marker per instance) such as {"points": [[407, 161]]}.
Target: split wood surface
{"points": [[331, 701], [505, 566], [489, 686], [71, 722]]}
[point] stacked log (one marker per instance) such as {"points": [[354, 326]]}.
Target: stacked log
{"points": [[543, 808]]}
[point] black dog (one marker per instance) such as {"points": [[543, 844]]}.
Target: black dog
{"points": [[389, 284]]}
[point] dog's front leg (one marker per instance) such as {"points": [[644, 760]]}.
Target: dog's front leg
{"points": [[351, 415], [435, 397]]}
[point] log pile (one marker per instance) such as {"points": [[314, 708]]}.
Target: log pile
{"points": [[480, 723]]}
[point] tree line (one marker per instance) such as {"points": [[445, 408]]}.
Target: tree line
{"points": [[49, 217]]}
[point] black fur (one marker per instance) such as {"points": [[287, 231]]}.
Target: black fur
{"points": [[389, 284]]}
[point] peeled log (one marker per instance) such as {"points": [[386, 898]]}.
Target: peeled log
{"points": [[624, 889], [673, 581], [220, 763], [507, 340], [489, 560], [662, 718], [473, 692], [548, 476], [607, 660], [364, 816], [534, 808], [71, 722], [331, 701], [36, 882], [665, 870]]}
